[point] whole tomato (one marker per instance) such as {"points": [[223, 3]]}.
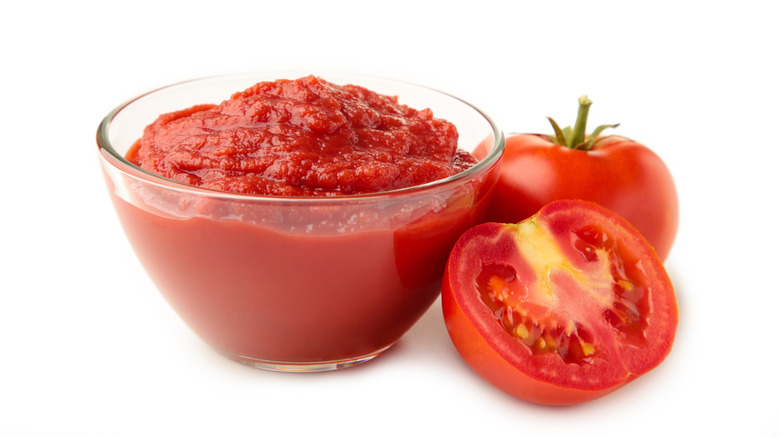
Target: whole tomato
{"points": [[618, 173]]}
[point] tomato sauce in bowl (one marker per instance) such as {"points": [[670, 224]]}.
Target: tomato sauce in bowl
{"points": [[302, 137], [299, 225]]}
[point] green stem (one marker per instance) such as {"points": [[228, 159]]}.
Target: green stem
{"points": [[580, 126], [574, 138]]}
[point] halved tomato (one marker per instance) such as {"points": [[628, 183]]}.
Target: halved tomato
{"points": [[564, 307]]}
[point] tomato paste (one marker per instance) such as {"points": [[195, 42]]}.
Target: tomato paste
{"points": [[302, 274], [302, 137]]}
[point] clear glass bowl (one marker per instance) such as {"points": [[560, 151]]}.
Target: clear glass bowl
{"points": [[296, 284]]}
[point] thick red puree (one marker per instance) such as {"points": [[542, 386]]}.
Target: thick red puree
{"points": [[303, 137], [267, 280]]}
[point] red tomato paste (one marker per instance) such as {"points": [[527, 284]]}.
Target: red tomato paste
{"points": [[303, 137], [272, 281]]}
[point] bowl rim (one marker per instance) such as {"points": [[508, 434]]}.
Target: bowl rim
{"points": [[109, 154]]}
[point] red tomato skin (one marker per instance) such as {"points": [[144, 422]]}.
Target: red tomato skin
{"points": [[618, 173], [495, 355]]}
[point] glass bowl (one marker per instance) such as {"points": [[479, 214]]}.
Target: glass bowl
{"points": [[296, 284]]}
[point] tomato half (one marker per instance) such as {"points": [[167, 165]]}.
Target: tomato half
{"points": [[562, 308]]}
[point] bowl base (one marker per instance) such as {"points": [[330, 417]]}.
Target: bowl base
{"points": [[301, 367]]}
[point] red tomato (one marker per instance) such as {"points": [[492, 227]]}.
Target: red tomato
{"points": [[562, 308], [618, 173]]}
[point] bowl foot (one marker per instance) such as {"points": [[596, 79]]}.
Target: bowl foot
{"points": [[301, 367]]}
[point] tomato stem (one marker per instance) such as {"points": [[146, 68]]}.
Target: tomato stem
{"points": [[576, 138], [580, 125]]}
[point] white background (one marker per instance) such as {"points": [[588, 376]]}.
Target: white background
{"points": [[89, 348]]}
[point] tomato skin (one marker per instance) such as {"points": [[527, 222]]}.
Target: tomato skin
{"points": [[620, 174], [496, 355]]}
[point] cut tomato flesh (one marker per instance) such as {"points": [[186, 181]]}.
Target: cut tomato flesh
{"points": [[630, 305], [529, 308], [542, 332]]}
